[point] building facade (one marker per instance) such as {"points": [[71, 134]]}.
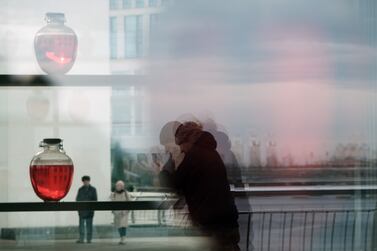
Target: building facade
{"points": [[131, 24]]}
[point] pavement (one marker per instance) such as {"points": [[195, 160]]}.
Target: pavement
{"points": [[139, 244]]}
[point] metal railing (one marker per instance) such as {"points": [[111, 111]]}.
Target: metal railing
{"points": [[308, 230], [261, 230], [301, 230], [290, 230]]}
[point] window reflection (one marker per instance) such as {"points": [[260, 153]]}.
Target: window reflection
{"points": [[286, 89]]}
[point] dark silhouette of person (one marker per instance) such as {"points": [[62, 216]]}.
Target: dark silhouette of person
{"points": [[202, 180], [224, 146], [235, 177], [86, 193], [224, 149]]}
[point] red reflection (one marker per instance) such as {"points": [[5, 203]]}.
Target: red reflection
{"points": [[56, 53], [51, 182], [59, 59]]}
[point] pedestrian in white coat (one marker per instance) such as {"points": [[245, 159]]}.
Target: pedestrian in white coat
{"points": [[120, 216]]}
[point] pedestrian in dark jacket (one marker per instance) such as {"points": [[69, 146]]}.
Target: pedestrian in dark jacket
{"points": [[86, 193], [201, 178]]}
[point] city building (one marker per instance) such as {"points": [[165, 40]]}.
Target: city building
{"points": [[272, 159], [130, 25], [238, 150], [255, 154]]}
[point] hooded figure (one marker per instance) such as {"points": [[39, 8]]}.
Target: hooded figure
{"points": [[201, 178]]}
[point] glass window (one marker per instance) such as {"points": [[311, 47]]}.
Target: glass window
{"points": [[287, 105], [127, 117], [114, 4], [127, 4], [133, 32], [113, 37], [153, 3], [139, 3], [153, 21]]}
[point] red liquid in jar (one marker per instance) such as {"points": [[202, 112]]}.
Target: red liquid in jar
{"points": [[51, 182], [56, 52]]}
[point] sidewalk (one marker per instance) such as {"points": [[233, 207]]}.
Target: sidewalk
{"points": [[133, 244]]}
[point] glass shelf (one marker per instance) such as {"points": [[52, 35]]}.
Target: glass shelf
{"points": [[72, 80]]}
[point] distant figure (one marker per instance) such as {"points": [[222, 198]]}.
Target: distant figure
{"points": [[201, 178], [86, 193], [120, 216]]}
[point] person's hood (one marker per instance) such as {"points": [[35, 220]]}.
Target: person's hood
{"points": [[167, 134], [206, 140]]}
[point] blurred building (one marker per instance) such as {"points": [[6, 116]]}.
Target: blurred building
{"points": [[364, 152], [272, 159], [288, 160], [128, 114], [255, 153], [238, 150], [131, 24]]}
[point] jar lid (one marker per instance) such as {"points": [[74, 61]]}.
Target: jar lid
{"points": [[52, 141], [55, 17]]}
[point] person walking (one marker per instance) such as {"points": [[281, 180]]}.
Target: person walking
{"points": [[120, 216], [86, 193], [202, 180]]}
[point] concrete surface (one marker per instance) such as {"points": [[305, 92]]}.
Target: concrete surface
{"points": [[139, 244]]}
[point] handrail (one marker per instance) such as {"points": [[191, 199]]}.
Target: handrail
{"points": [[305, 190], [85, 205], [286, 190], [168, 201]]}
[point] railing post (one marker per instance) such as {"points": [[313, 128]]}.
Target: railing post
{"points": [[262, 233], [269, 232], [332, 232], [366, 232], [345, 232], [283, 237], [353, 231], [374, 230], [325, 232], [312, 231], [248, 231], [304, 232], [290, 233]]}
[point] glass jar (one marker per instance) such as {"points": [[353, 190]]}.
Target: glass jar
{"points": [[51, 171], [55, 45]]}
